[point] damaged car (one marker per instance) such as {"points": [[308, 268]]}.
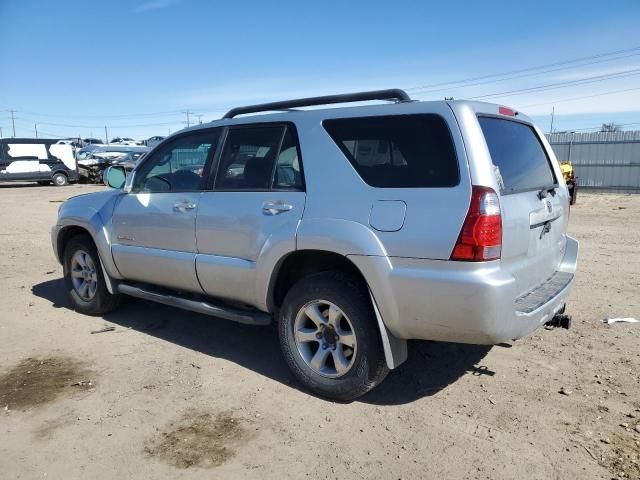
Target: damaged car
{"points": [[92, 162]]}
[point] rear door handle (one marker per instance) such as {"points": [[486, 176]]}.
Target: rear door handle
{"points": [[275, 207], [183, 205]]}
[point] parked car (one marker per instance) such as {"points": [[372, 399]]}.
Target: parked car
{"points": [[153, 141], [37, 160], [92, 161], [129, 161], [124, 141], [91, 141], [74, 142], [355, 229]]}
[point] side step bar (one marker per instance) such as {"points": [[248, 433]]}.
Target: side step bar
{"points": [[248, 317]]}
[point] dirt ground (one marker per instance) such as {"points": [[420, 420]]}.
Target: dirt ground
{"points": [[173, 394]]}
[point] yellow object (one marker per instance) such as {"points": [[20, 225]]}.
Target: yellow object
{"points": [[567, 170]]}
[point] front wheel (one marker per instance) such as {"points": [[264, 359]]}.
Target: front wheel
{"points": [[330, 338], [84, 278]]}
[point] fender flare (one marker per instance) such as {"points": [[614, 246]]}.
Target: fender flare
{"points": [[347, 238]]}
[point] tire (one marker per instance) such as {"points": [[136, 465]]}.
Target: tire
{"points": [[366, 362], [100, 301], [60, 179]]}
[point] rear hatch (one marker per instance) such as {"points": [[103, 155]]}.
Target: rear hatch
{"points": [[534, 208]]}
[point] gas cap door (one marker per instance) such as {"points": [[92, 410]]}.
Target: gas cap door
{"points": [[387, 215]]}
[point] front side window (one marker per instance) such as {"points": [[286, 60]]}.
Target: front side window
{"points": [[248, 158], [179, 166], [398, 151]]}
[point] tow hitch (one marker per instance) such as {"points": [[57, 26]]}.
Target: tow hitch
{"points": [[560, 320]]}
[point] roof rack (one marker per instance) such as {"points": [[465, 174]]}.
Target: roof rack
{"points": [[394, 94]]}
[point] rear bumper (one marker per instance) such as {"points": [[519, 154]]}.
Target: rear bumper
{"points": [[459, 301]]}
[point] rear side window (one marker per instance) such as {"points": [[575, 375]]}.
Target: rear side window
{"points": [[516, 151], [399, 151], [248, 158]]}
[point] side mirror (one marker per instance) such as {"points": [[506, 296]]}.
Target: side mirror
{"points": [[115, 176]]}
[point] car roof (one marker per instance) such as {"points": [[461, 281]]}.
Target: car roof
{"points": [[389, 108]]}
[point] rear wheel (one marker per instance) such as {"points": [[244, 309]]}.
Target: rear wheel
{"points": [[84, 278], [330, 338], [60, 179]]}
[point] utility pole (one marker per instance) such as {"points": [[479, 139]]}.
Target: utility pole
{"points": [[0, 132], [187, 113], [553, 113], [13, 121], [35, 126], [106, 135], [199, 115]]}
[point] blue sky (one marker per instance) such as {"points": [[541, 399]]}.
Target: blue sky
{"points": [[74, 66]]}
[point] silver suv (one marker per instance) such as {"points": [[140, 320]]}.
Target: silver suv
{"points": [[354, 229]]}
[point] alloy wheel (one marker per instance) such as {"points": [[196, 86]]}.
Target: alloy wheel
{"points": [[84, 276], [325, 338]]}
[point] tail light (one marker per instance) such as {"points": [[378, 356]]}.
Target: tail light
{"points": [[481, 236]]}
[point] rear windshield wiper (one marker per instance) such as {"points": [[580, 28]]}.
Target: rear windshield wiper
{"points": [[544, 192]]}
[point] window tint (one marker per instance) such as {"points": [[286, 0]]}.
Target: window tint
{"points": [[248, 158], [521, 162], [179, 166], [288, 171], [400, 151]]}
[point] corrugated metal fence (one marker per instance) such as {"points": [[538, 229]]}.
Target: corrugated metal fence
{"points": [[601, 160]]}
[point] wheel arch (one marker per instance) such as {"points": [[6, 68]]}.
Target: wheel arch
{"points": [[67, 233], [300, 263]]}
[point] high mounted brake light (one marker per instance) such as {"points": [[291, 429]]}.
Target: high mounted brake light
{"points": [[480, 238], [507, 111]]}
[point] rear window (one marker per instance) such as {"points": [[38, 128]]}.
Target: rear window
{"points": [[516, 151], [399, 151]]}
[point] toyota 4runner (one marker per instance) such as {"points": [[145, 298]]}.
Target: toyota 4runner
{"points": [[354, 229]]}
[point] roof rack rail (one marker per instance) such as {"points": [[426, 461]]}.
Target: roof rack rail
{"points": [[395, 94]]}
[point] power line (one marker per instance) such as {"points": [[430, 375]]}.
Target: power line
{"points": [[54, 124], [551, 86], [417, 89], [128, 115], [599, 126], [522, 70], [528, 74], [581, 97]]}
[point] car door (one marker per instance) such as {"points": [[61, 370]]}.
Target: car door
{"points": [[154, 224], [250, 216]]}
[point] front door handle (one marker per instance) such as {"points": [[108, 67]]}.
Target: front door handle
{"points": [[183, 205], [275, 207]]}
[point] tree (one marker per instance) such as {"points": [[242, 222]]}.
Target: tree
{"points": [[610, 127]]}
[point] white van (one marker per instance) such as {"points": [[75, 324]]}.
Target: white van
{"points": [[37, 160]]}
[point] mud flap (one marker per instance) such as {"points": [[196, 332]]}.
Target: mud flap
{"points": [[395, 349]]}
